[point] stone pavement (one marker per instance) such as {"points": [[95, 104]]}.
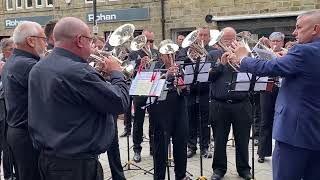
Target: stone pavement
{"points": [[262, 171]]}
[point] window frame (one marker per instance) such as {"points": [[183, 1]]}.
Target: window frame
{"points": [[12, 5], [39, 6], [26, 4], [49, 5], [17, 7]]}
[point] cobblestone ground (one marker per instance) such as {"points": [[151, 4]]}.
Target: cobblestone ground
{"points": [[262, 171]]}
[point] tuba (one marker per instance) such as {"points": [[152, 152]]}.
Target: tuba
{"points": [[196, 47]]}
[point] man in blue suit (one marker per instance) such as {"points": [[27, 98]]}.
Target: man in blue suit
{"points": [[297, 111]]}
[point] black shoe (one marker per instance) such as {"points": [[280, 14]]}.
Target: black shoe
{"points": [[190, 153], [206, 153], [216, 176], [126, 133], [261, 159], [137, 157], [246, 176]]}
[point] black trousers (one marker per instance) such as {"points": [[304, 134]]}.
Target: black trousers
{"points": [[79, 168], [25, 157], [267, 100], [7, 156], [239, 115], [170, 120], [194, 124], [114, 157], [139, 114], [128, 117], [257, 115]]}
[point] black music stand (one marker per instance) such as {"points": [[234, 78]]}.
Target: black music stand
{"points": [[199, 74], [133, 92], [246, 82]]}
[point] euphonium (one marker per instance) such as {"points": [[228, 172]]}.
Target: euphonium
{"points": [[217, 41], [196, 46]]}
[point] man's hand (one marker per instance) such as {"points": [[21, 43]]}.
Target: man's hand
{"points": [[145, 60], [173, 70], [109, 64], [240, 51], [227, 56], [281, 53]]}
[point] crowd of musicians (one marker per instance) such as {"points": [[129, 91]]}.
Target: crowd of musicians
{"points": [[58, 113]]}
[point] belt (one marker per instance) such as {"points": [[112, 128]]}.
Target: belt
{"points": [[71, 156], [230, 101]]}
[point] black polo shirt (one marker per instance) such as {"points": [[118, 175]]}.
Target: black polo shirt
{"points": [[15, 83], [71, 107]]}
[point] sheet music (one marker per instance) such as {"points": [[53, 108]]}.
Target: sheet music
{"points": [[243, 82], [203, 76], [143, 86]]}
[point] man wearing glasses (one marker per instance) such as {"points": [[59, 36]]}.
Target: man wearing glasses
{"points": [[71, 110], [30, 45]]}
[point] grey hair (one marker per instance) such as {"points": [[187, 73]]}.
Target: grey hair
{"points": [[5, 43], [310, 13], [25, 29]]}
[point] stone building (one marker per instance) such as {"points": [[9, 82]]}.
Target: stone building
{"points": [[178, 16]]}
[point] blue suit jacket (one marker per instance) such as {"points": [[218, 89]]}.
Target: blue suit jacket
{"points": [[297, 110]]}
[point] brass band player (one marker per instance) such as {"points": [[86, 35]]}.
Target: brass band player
{"points": [[170, 120]]}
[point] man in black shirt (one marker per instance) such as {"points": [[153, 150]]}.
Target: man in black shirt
{"points": [[229, 108], [30, 41], [48, 29], [141, 58], [71, 110], [204, 36]]}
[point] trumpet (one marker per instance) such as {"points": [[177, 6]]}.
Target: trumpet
{"points": [[217, 41], [196, 49]]}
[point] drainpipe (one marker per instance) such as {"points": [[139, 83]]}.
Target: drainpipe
{"points": [[163, 20]]}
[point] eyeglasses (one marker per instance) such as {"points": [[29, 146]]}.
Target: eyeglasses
{"points": [[89, 38], [150, 40], [44, 38]]}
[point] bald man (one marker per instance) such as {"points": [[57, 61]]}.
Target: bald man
{"points": [[30, 43], [72, 110], [296, 126], [229, 108]]}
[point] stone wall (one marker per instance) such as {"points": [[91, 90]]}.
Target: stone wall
{"points": [[178, 13]]}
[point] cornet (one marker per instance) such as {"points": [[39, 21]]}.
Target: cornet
{"points": [[127, 69]]}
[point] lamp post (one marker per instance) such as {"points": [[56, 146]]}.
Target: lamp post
{"points": [[95, 26]]}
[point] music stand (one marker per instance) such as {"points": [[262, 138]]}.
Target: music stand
{"points": [[196, 73], [246, 82], [145, 84]]}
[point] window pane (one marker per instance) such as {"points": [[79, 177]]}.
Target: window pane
{"points": [[19, 3], [9, 4], [29, 3], [49, 2], [39, 2]]}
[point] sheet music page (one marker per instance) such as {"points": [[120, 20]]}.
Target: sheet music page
{"points": [[141, 84], [261, 84], [243, 82], [157, 87], [203, 76]]}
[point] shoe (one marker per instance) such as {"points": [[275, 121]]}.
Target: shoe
{"points": [[206, 153], [137, 157], [186, 178], [190, 153], [126, 133], [216, 176], [246, 176], [261, 159], [256, 142]]}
